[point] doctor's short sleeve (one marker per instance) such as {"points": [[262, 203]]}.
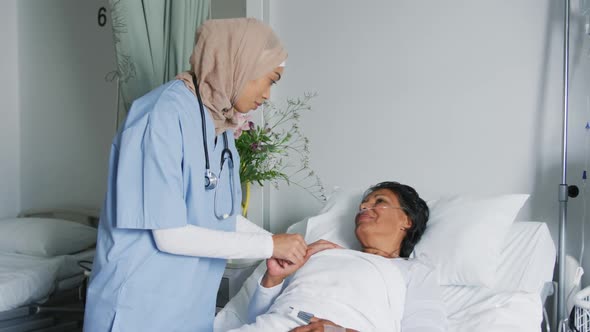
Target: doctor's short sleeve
{"points": [[149, 184]]}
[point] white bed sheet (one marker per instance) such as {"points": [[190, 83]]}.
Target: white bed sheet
{"points": [[514, 304], [494, 312], [25, 279]]}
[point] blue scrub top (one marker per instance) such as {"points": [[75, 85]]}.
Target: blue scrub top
{"points": [[156, 180]]}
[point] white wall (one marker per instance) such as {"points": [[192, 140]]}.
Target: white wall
{"points": [[67, 108], [450, 97], [9, 114]]}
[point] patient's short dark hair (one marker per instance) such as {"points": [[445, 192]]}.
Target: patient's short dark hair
{"points": [[414, 207]]}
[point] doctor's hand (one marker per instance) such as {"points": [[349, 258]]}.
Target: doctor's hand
{"points": [[289, 247], [279, 269], [321, 325]]}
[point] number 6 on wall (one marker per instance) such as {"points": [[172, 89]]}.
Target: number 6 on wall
{"points": [[102, 17]]}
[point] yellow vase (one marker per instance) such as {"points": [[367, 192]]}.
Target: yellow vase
{"points": [[245, 198]]}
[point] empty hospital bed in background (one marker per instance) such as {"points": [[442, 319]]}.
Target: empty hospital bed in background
{"points": [[495, 273], [42, 275]]}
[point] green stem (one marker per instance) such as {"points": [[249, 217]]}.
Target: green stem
{"points": [[246, 200]]}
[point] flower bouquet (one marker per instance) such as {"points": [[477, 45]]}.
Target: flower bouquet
{"points": [[276, 151]]}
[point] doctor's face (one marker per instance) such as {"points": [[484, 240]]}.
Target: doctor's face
{"points": [[257, 91]]}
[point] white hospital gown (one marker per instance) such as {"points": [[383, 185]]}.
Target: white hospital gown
{"points": [[423, 310]]}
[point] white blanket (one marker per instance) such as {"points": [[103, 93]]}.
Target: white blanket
{"points": [[353, 289]]}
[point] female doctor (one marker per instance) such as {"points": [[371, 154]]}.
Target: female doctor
{"points": [[169, 219]]}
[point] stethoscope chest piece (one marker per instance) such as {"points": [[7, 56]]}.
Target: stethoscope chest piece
{"points": [[211, 180]]}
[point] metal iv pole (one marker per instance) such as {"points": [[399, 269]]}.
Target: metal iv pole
{"points": [[563, 187]]}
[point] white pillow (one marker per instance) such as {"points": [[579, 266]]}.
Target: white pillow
{"points": [[44, 236], [528, 258], [464, 237], [335, 222]]}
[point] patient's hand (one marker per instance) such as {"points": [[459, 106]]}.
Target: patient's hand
{"points": [[321, 325], [279, 269], [318, 246]]}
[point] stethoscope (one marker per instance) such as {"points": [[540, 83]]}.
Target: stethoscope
{"points": [[212, 180]]}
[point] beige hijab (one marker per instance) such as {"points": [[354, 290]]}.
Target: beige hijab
{"points": [[228, 53]]}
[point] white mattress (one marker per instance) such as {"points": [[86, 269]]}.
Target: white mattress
{"points": [[25, 279]]}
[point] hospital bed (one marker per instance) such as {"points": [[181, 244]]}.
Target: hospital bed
{"points": [[514, 301], [42, 258]]}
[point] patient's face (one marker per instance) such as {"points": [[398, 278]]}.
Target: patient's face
{"points": [[381, 222]]}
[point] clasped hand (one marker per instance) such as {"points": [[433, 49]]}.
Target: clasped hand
{"points": [[277, 269]]}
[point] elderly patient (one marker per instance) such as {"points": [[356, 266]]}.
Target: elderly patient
{"points": [[378, 289]]}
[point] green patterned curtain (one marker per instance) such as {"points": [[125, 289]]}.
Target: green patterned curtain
{"points": [[153, 42]]}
